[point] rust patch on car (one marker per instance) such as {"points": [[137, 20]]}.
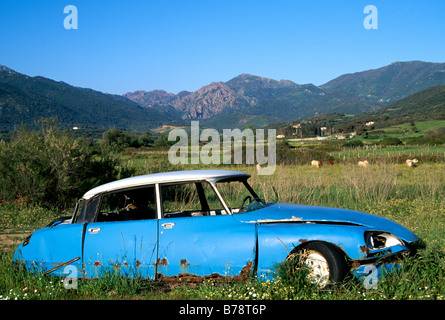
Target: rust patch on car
{"points": [[184, 266], [245, 273], [364, 249], [162, 262], [186, 277], [97, 264]]}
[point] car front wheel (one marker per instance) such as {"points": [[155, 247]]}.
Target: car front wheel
{"points": [[325, 262]]}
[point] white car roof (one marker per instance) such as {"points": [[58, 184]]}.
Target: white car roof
{"points": [[165, 177]]}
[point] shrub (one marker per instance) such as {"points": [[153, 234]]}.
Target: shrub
{"points": [[353, 144], [391, 142], [51, 168], [287, 155], [431, 138]]}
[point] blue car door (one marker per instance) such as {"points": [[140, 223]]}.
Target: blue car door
{"points": [[205, 245], [123, 236], [127, 247], [197, 236]]}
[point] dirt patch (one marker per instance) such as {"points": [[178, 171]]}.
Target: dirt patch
{"points": [[10, 239]]}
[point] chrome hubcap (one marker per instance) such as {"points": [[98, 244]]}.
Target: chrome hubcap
{"points": [[318, 268]]}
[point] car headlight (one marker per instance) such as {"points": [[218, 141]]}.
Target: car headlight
{"points": [[27, 240], [380, 240]]}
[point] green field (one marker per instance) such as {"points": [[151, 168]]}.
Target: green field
{"points": [[422, 127], [413, 197]]}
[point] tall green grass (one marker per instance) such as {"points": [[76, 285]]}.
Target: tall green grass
{"points": [[413, 197]]}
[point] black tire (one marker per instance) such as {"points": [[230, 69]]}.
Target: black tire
{"points": [[334, 257]]}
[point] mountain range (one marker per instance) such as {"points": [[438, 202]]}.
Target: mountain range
{"points": [[249, 98], [24, 99], [245, 99]]}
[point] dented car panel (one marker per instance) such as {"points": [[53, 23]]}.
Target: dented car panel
{"points": [[202, 245], [325, 215], [128, 246], [51, 246], [202, 223], [278, 240]]}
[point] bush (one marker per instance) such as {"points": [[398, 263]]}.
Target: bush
{"points": [[353, 144], [287, 155], [432, 138], [391, 142], [49, 167]]}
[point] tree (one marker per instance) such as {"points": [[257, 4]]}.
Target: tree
{"points": [[162, 142], [50, 167], [116, 139], [146, 139]]}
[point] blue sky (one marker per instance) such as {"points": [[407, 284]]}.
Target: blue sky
{"points": [[176, 45]]}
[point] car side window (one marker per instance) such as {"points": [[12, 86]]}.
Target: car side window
{"points": [[190, 200], [87, 210], [126, 205]]}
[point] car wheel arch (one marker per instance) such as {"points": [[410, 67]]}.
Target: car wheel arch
{"points": [[305, 243]]}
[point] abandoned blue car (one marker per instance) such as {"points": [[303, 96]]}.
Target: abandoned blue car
{"points": [[210, 222]]}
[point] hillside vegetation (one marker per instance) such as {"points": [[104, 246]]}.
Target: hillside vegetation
{"points": [[420, 115], [24, 100], [244, 100]]}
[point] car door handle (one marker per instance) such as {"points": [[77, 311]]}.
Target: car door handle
{"points": [[94, 230], [168, 225]]}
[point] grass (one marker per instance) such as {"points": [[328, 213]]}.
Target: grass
{"points": [[414, 198], [422, 127], [390, 154]]}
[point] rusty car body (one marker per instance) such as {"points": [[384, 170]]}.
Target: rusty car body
{"points": [[209, 222]]}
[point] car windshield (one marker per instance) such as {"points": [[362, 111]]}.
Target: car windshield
{"points": [[239, 196]]}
